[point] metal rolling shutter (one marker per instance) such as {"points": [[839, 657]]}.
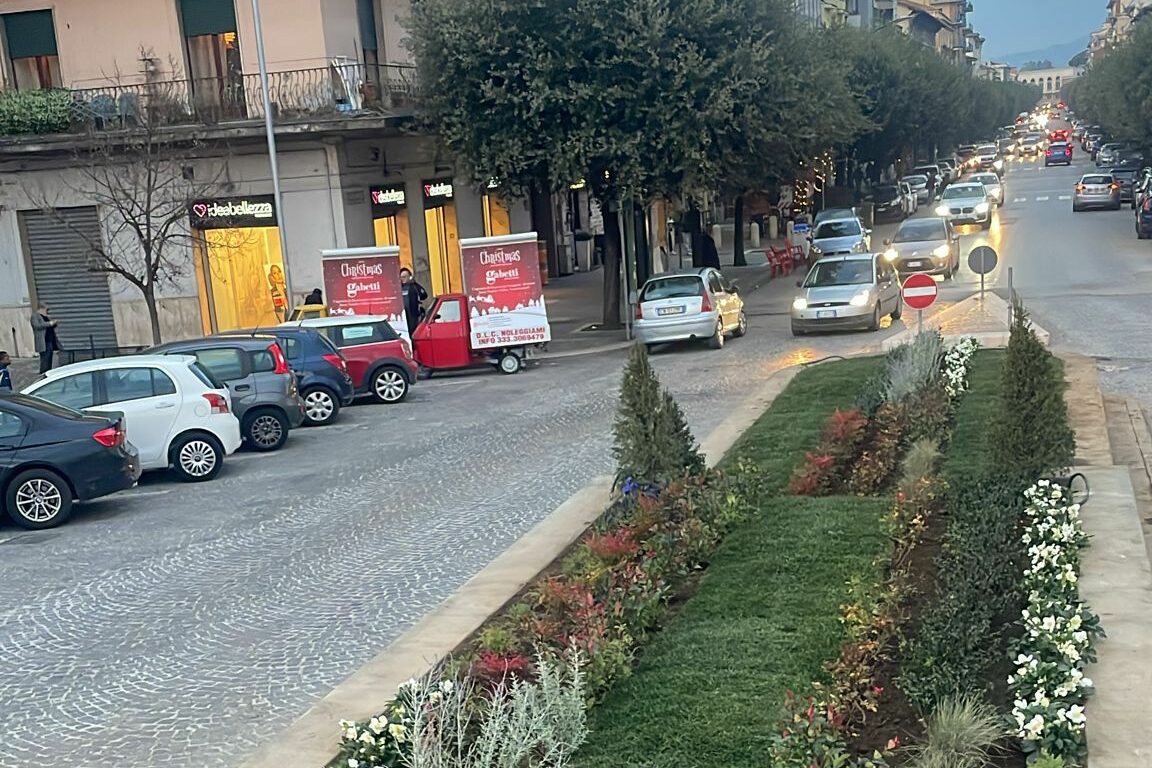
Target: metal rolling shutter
{"points": [[78, 298]]}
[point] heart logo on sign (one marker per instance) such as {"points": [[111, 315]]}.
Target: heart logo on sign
{"points": [[200, 209]]}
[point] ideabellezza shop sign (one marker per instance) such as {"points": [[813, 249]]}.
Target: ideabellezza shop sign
{"points": [[233, 212]]}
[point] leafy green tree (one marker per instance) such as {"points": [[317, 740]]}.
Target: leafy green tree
{"points": [[1116, 90]]}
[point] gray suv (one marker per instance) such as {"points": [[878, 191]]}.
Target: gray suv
{"points": [[264, 394]]}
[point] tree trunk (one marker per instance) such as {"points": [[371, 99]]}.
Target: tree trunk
{"points": [[643, 245], [153, 312], [738, 237], [612, 253], [695, 231], [540, 205]]}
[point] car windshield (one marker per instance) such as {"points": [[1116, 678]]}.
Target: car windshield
{"points": [[671, 288], [918, 230], [966, 190], [1096, 180], [837, 229], [884, 194], [830, 273], [1124, 174], [987, 179], [927, 170], [987, 149], [916, 179]]}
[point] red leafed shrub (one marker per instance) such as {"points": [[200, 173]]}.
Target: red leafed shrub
{"points": [[880, 457], [817, 476], [825, 470], [491, 668], [844, 432], [614, 547]]}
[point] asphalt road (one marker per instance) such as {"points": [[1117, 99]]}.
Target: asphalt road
{"points": [[183, 625]]}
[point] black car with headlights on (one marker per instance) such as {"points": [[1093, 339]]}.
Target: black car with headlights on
{"points": [[888, 203], [51, 457]]}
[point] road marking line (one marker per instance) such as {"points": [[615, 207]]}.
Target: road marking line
{"points": [[1020, 200], [914, 292], [1042, 199], [1065, 197]]}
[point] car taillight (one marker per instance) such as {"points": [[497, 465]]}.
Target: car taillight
{"points": [[1079, 187], [110, 437], [278, 358], [705, 301], [1047, 151], [218, 403], [1148, 205], [406, 347], [639, 313], [338, 362]]}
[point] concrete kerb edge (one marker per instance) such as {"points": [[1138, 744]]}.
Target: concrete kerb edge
{"points": [[311, 740]]}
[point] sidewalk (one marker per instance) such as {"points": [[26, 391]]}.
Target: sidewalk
{"points": [[987, 318], [575, 304]]}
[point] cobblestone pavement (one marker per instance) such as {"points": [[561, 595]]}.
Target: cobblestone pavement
{"points": [[183, 625]]}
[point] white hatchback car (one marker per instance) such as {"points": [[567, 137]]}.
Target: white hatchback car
{"points": [[175, 413], [689, 305]]}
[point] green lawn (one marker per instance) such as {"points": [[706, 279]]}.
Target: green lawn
{"points": [[765, 619], [970, 447]]}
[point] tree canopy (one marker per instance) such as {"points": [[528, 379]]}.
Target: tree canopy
{"points": [[1115, 92]]}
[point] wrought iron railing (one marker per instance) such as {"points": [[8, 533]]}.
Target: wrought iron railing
{"points": [[341, 89]]}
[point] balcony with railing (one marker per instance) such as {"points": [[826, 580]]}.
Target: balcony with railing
{"points": [[336, 92]]}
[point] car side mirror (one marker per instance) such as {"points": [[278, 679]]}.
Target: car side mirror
{"points": [[799, 283]]}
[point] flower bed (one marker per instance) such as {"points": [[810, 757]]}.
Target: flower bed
{"points": [[1058, 631]]}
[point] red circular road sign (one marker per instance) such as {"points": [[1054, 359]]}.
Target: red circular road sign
{"points": [[919, 291]]}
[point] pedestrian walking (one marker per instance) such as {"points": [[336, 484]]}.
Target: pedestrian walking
{"points": [[414, 297], [5, 374], [709, 256], [316, 298], [44, 334]]}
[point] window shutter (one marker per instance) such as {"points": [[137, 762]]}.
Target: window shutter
{"points": [[30, 34], [366, 11], [207, 17]]}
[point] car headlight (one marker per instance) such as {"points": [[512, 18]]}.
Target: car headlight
{"points": [[861, 299], [815, 249], [998, 165], [891, 254], [800, 303], [942, 210], [981, 207], [941, 251]]}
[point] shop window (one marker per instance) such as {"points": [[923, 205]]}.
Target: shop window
{"points": [[443, 237], [241, 271], [30, 40]]}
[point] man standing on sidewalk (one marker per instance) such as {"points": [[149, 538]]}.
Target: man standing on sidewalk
{"points": [[44, 331]]}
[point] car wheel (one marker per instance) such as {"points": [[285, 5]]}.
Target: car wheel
{"points": [[987, 223], [389, 385], [196, 457], [874, 325], [741, 325], [510, 363], [1116, 207], [650, 348], [38, 499], [320, 406], [1076, 209], [896, 313], [716, 341], [266, 430]]}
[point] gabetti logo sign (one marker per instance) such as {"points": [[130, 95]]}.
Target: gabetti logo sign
{"points": [[232, 210]]}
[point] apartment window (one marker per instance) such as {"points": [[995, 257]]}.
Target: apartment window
{"points": [[30, 39], [213, 54]]}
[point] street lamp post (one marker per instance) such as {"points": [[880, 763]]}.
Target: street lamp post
{"points": [[271, 135]]}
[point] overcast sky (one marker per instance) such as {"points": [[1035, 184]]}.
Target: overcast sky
{"points": [[1016, 26]]}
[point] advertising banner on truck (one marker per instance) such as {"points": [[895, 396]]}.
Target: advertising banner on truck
{"points": [[365, 281], [505, 297]]}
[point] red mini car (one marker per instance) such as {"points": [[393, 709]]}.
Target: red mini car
{"points": [[379, 359]]}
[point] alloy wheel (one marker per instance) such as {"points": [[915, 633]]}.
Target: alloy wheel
{"points": [[197, 458], [390, 385], [318, 405], [38, 500], [266, 430]]}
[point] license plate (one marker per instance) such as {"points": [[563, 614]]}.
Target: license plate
{"points": [[825, 314], [915, 264], [661, 311]]}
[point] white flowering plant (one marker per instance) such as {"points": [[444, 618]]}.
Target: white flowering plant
{"points": [[1059, 631], [957, 361], [385, 740]]}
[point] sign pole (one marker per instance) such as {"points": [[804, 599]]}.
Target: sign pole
{"points": [[919, 321]]}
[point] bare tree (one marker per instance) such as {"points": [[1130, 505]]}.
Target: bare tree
{"points": [[142, 174]]}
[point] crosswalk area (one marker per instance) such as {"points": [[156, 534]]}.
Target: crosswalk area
{"points": [[1041, 198]]}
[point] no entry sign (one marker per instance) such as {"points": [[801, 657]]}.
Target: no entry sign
{"points": [[919, 291]]}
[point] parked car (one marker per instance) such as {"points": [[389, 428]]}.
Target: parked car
{"points": [[1126, 177], [1143, 217], [1109, 153], [379, 360], [925, 245], [966, 203], [1058, 153], [935, 180], [689, 305], [321, 371], [919, 184], [1096, 190], [265, 395], [846, 292], [52, 457], [1006, 146], [992, 183], [888, 203], [911, 199], [840, 236], [175, 412], [948, 169]]}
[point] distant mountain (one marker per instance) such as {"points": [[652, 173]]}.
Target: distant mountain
{"points": [[1059, 55]]}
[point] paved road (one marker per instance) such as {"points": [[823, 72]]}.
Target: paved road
{"points": [[183, 625]]}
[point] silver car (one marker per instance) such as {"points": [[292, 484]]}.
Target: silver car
{"points": [[911, 198], [993, 183], [1096, 190], [689, 305], [966, 203], [925, 245], [846, 292], [919, 184], [836, 237]]}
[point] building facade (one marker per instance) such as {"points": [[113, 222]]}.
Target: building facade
{"points": [[353, 172], [1050, 81], [1122, 15]]}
